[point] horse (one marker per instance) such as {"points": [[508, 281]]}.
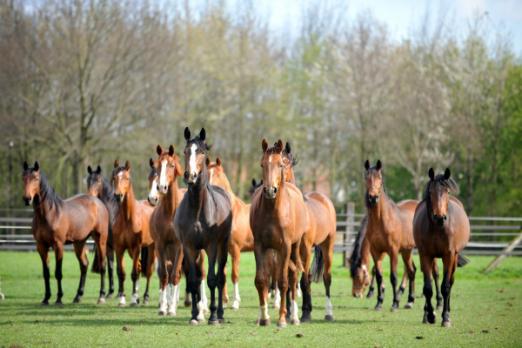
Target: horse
{"points": [[100, 187], [166, 195], [441, 230], [389, 231], [203, 221], [241, 237], [278, 219], [321, 235], [253, 187], [57, 222], [131, 232]]}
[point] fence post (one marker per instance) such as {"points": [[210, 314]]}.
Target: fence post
{"points": [[507, 250], [350, 218]]}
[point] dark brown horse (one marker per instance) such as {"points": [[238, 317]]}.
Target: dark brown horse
{"points": [[278, 218], [203, 221], [241, 238], [389, 231], [321, 234], [131, 232], [441, 229], [100, 187], [57, 222]]}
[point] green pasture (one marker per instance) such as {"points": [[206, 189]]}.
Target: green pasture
{"points": [[486, 312]]}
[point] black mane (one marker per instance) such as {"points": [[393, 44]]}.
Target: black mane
{"points": [[48, 193], [356, 256]]}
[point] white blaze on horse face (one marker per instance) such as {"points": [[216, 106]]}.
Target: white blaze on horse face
{"points": [[153, 194], [163, 177], [192, 159]]}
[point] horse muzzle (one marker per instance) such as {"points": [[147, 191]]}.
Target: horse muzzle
{"points": [[153, 200], [28, 201], [190, 178], [373, 200], [440, 219], [119, 197], [270, 192], [163, 189]]}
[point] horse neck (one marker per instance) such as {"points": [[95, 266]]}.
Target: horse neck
{"points": [[130, 204], [198, 192], [48, 207], [169, 202], [381, 210]]}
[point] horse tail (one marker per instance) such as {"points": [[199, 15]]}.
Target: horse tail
{"points": [[462, 261], [95, 268], [317, 265], [144, 260]]}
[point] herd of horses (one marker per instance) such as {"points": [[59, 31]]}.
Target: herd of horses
{"points": [[176, 229]]}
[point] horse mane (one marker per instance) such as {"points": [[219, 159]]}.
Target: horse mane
{"points": [[356, 256], [47, 192], [107, 190]]}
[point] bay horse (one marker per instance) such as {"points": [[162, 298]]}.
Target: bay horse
{"points": [[166, 195], [441, 230], [57, 222], [389, 231], [98, 186], [321, 233], [131, 232], [203, 221], [278, 218]]}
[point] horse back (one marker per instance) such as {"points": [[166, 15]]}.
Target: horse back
{"points": [[83, 214], [146, 211], [407, 211], [322, 216], [241, 231]]}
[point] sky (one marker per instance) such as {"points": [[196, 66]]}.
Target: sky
{"points": [[401, 16]]}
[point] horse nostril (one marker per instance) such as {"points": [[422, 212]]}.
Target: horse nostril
{"points": [[275, 189], [186, 175]]}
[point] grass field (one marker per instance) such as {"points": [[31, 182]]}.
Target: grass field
{"points": [[486, 312]]}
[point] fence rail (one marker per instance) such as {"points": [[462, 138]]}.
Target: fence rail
{"points": [[490, 235]]}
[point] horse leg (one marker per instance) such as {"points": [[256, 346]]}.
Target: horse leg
{"points": [[449, 262], [306, 255], [176, 258], [43, 250], [135, 275], [435, 270], [203, 301], [429, 313], [377, 260], [283, 282], [193, 281], [372, 282], [212, 282], [393, 278], [328, 249], [101, 247], [236, 256], [410, 270], [84, 263], [149, 270], [110, 264], [222, 256], [261, 282], [163, 278], [120, 269]]}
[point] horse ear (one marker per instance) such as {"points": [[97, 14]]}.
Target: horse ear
{"points": [[159, 150], [25, 165], [218, 161], [207, 161], [431, 174], [187, 133], [254, 184], [98, 169], [202, 134], [127, 165], [264, 145], [151, 163], [288, 148], [116, 163], [378, 165], [171, 150], [447, 174], [89, 169], [279, 145], [367, 165], [36, 166]]}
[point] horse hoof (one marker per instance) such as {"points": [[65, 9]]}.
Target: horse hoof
{"points": [[378, 307], [45, 302], [221, 320], [162, 312], [171, 313], [109, 295], [187, 303], [101, 301], [235, 305], [306, 318], [145, 301], [439, 306], [408, 305], [213, 322], [329, 317], [194, 322], [77, 299], [295, 322], [430, 317], [58, 303], [446, 323], [134, 304], [370, 294], [263, 322], [393, 309], [281, 324]]}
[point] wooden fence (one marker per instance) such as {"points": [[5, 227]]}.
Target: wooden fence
{"points": [[489, 235]]}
